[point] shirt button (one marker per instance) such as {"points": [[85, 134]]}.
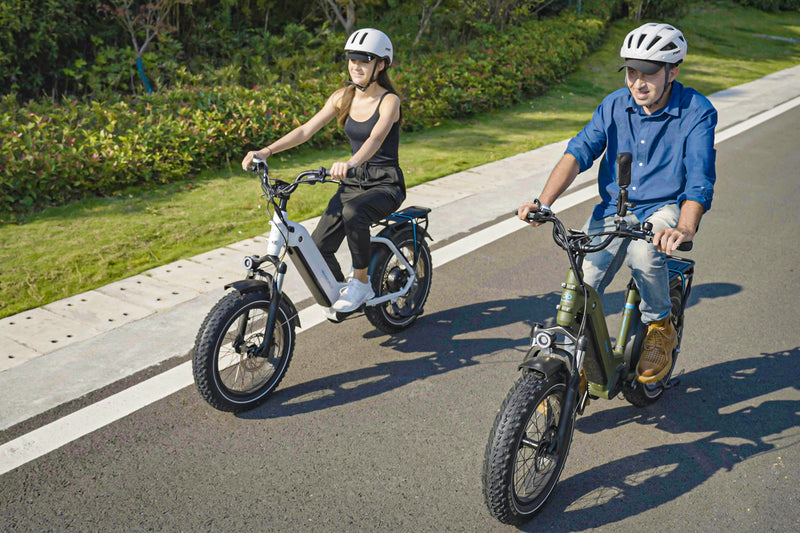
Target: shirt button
{"points": [[641, 164], [642, 141]]}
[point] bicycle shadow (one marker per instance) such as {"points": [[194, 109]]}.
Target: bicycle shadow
{"points": [[440, 335], [724, 402]]}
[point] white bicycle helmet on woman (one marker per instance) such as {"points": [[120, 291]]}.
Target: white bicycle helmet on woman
{"points": [[367, 44]]}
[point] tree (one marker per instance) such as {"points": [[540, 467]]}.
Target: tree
{"points": [[348, 19], [428, 7], [144, 21]]}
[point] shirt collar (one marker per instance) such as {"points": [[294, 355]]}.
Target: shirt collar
{"points": [[672, 107]]}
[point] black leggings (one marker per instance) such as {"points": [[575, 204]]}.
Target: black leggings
{"points": [[350, 213]]}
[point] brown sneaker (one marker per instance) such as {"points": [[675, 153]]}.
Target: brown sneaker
{"points": [[656, 357]]}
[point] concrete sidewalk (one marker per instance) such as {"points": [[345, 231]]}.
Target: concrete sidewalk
{"points": [[66, 349]]}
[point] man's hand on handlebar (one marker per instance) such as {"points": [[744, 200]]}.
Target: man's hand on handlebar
{"points": [[667, 240], [524, 209]]}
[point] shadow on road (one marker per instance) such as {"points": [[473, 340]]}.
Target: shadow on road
{"points": [[727, 405], [447, 336], [443, 335]]}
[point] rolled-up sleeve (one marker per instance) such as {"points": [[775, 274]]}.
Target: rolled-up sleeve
{"points": [[700, 159]]}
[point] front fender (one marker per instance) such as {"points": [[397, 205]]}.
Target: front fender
{"points": [[547, 364], [246, 286]]}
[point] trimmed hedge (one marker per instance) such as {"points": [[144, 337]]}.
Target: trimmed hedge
{"points": [[772, 6], [52, 155]]}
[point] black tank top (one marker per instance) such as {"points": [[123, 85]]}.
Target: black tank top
{"points": [[359, 132]]}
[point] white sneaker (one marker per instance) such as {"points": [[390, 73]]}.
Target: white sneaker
{"points": [[353, 296]]}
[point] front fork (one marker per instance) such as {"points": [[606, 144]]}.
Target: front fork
{"points": [[277, 284]]}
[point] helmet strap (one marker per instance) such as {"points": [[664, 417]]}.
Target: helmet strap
{"points": [[363, 88], [666, 83]]}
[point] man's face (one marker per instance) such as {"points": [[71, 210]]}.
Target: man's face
{"points": [[647, 89]]}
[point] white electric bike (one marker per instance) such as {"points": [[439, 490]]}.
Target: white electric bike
{"points": [[246, 342]]}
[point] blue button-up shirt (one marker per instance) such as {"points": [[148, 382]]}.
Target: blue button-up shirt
{"points": [[673, 150]]}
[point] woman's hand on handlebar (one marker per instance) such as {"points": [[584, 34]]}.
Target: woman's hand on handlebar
{"points": [[667, 240], [249, 158], [339, 170]]}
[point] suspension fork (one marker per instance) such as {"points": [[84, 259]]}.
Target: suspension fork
{"points": [[266, 346], [571, 396]]}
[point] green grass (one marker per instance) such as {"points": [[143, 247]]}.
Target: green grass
{"points": [[64, 251]]}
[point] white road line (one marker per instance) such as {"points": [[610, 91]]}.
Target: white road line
{"points": [[756, 120], [93, 417]]}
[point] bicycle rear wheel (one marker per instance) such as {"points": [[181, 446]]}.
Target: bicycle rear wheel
{"points": [[389, 275]]}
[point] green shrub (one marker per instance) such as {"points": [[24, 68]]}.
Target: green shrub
{"points": [[772, 6], [53, 154]]}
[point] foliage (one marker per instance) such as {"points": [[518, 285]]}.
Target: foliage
{"points": [[658, 10], [37, 37], [52, 154], [772, 6]]}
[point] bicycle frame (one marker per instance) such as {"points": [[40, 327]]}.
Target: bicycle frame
{"points": [[603, 364], [313, 269]]}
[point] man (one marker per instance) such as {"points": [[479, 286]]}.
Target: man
{"points": [[669, 130]]}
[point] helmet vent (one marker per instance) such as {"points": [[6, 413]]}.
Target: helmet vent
{"points": [[654, 43]]}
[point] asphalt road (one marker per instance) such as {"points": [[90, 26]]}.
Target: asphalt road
{"points": [[370, 432]]}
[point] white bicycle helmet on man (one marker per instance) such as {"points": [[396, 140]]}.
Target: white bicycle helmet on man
{"points": [[653, 44]]}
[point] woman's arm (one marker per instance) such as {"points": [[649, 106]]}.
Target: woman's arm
{"points": [[300, 134]]}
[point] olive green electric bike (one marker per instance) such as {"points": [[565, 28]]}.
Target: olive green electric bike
{"points": [[570, 363]]}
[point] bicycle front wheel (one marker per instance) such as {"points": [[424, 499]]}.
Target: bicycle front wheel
{"points": [[231, 369], [522, 464]]}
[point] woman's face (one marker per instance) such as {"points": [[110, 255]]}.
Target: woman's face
{"points": [[361, 72]]}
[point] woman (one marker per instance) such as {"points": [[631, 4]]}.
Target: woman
{"points": [[369, 110]]}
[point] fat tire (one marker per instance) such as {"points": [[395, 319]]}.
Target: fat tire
{"points": [[523, 402], [643, 395], [215, 329], [394, 317]]}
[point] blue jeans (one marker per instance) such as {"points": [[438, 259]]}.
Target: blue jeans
{"points": [[648, 266]]}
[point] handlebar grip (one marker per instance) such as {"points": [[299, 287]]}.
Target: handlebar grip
{"points": [[685, 246], [537, 216]]}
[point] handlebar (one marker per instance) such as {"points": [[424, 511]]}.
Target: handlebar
{"points": [[282, 189], [580, 242]]}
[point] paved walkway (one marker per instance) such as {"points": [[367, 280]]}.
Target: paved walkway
{"points": [[66, 349]]}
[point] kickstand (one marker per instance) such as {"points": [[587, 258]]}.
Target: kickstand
{"points": [[673, 382]]}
